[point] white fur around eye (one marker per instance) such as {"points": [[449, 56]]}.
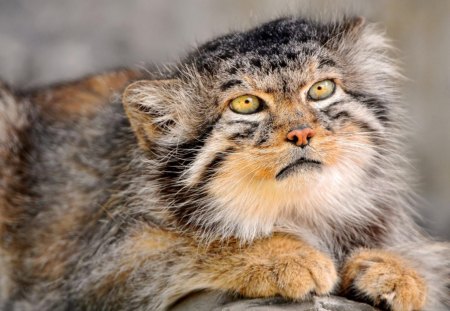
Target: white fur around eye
{"points": [[322, 104], [229, 115]]}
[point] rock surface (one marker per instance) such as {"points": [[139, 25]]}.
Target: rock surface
{"points": [[218, 302]]}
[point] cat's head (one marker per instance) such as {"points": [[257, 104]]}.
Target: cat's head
{"points": [[287, 120]]}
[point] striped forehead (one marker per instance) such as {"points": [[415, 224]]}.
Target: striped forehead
{"points": [[276, 75]]}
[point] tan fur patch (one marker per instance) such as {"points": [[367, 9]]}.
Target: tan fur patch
{"points": [[84, 97], [152, 240], [278, 265], [382, 275]]}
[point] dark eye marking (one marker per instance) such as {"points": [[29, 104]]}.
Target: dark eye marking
{"points": [[365, 126], [379, 109], [265, 132], [214, 165], [263, 138], [187, 200], [247, 132], [182, 159], [347, 116], [341, 115], [229, 84], [336, 115], [178, 163], [377, 106], [328, 108]]}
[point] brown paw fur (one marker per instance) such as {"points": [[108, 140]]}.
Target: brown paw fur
{"points": [[286, 267], [384, 279]]}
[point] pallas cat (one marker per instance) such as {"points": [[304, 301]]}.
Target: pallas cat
{"points": [[265, 163]]}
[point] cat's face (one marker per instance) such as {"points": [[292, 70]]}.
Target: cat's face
{"points": [[281, 121]]}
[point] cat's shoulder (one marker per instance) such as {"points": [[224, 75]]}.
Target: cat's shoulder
{"points": [[81, 97]]}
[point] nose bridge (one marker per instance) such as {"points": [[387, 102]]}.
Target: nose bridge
{"points": [[298, 122], [296, 113]]}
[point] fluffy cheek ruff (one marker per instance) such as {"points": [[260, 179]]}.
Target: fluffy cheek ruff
{"points": [[247, 201]]}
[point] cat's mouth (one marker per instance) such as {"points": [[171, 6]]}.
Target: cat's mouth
{"points": [[301, 165]]}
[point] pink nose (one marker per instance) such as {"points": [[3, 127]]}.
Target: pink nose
{"points": [[301, 137]]}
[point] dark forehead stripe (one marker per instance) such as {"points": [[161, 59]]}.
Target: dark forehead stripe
{"points": [[326, 62], [229, 84]]}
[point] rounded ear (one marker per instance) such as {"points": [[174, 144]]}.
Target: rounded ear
{"points": [[353, 25], [149, 107], [349, 27]]}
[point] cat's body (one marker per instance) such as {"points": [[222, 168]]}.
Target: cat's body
{"points": [[106, 208]]}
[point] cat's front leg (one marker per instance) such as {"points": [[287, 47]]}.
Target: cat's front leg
{"points": [[157, 268], [384, 279], [278, 265]]}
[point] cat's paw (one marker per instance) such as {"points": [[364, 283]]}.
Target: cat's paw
{"points": [[281, 269], [384, 279], [297, 277]]}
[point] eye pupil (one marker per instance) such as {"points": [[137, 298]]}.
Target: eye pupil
{"points": [[247, 101], [319, 88]]}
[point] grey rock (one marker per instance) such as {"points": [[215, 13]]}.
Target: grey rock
{"points": [[207, 301]]}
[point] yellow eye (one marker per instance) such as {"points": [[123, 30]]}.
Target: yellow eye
{"points": [[322, 90], [246, 104]]}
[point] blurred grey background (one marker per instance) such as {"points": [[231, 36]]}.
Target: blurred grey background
{"points": [[43, 41]]}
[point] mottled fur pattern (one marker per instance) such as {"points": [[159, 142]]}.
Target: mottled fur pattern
{"points": [[132, 202]]}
